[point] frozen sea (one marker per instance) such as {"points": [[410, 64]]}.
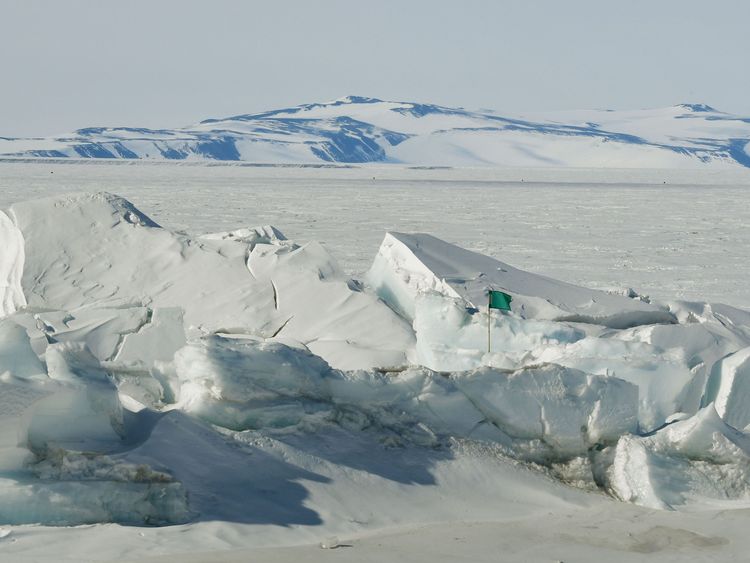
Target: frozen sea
{"points": [[667, 234], [670, 234]]}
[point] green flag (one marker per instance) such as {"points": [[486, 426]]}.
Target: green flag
{"points": [[500, 300]]}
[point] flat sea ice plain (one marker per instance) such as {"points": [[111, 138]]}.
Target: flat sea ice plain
{"points": [[666, 233], [240, 388]]}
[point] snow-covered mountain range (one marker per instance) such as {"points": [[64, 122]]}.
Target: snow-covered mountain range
{"points": [[359, 130]]}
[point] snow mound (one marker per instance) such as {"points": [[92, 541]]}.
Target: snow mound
{"points": [[98, 251]]}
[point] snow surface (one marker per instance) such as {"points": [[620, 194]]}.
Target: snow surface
{"points": [[667, 234], [356, 129], [243, 388]]}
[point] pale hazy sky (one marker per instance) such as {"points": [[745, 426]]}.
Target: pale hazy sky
{"points": [[67, 64]]}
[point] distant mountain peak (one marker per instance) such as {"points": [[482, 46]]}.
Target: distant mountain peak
{"points": [[353, 100], [697, 108], [359, 129]]}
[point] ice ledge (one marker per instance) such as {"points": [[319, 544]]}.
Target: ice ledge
{"points": [[409, 264], [12, 256]]}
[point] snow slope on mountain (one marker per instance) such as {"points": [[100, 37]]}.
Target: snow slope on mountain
{"points": [[358, 130]]}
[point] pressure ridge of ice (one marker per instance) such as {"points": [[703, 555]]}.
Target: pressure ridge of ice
{"points": [[126, 348]]}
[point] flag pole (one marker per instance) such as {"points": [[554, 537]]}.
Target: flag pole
{"points": [[489, 319]]}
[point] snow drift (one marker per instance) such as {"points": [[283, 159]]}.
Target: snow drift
{"points": [[128, 351]]}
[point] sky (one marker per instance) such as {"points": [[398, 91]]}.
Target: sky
{"points": [[169, 63]]}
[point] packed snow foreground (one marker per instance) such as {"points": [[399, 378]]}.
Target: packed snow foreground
{"points": [[147, 376]]}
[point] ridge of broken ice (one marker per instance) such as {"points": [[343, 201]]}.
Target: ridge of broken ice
{"points": [[697, 460], [112, 326]]}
